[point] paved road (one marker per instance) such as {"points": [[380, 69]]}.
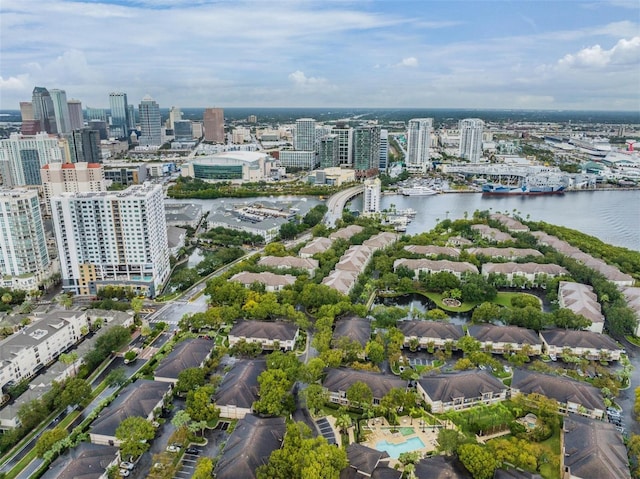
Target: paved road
{"points": [[336, 204]]}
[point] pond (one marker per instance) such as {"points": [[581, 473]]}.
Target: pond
{"points": [[418, 303]]}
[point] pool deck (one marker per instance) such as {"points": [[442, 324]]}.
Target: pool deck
{"points": [[378, 429]]}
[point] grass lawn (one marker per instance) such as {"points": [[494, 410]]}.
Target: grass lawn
{"points": [[504, 298], [552, 470], [437, 298]]}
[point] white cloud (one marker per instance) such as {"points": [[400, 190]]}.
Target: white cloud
{"points": [[301, 80], [19, 83], [625, 52], [408, 62]]}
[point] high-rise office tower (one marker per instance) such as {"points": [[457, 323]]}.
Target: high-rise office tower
{"points": [[24, 261], [84, 146], [471, 139], [132, 117], [366, 150], [119, 126], [75, 114], [174, 115], [58, 178], [150, 123], [182, 130], [384, 149], [112, 238], [96, 114], [213, 119], [61, 110], [328, 151], [305, 138], [418, 140], [22, 156], [43, 109], [372, 193], [26, 111], [345, 144]]}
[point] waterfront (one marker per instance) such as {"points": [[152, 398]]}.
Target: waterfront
{"points": [[612, 216]]}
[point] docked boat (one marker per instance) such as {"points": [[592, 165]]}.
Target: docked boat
{"points": [[418, 191], [535, 187]]}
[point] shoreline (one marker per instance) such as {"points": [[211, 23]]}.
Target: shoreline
{"points": [[467, 192]]}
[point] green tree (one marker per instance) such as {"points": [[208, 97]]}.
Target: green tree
{"points": [[117, 377], [69, 358], [316, 397], [485, 313], [449, 440], [181, 419], [303, 457], [134, 434], [48, 438], [468, 345], [359, 394], [190, 379], [204, 468], [275, 393], [75, 391], [478, 460], [7, 298], [199, 404], [374, 351]]}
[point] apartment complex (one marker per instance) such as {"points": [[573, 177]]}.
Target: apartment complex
{"points": [[108, 238], [22, 156], [418, 141], [58, 178], [471, 139], [24, 260]]}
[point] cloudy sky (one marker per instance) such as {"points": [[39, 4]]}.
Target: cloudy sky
{"points": [[562, 54]]}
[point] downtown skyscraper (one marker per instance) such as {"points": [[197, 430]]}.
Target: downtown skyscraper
{"points": [[213, 119], [75, 114], [418, 140], [366, 150], [61, 111], [305, 137], [43, 110], [471, 130], [150, 123], [120, 121]]}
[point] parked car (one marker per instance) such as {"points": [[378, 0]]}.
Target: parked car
{"points": [[192, 450], [172, 448], [127, 465], [124, 472]]}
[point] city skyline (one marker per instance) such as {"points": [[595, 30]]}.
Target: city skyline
{"points": [[579, 55]]}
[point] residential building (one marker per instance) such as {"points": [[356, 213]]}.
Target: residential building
{"points": [[384, 150], [356, 329], [592, 449], [84, 146], [138, 399], [346, 233], [120, 118], [345, 144], [271, 335], [150, 123], [372, 195], [86, 461], [267, 227], [239, 389], [506, 339], [355, 259], [418, 141], [76, 118], [430, 334], [492, 234], [632, 296], [249, 446], [61, 111], [112, 238], [367, 462], [328, 149], [506, 253], [593, 346], [43, 110], [366, 150], [237, 166], [290, 262], [572, 396], [338, 381], [444, 467], [271, 281], [511, 224], [22, 156], [24, 260], [305, 135], [340, 280], [240, 135], [471, 139], [315, 246], [190, 353], [524, 274], [461, 390], [38, 344], [380, 241], [430, 266], [581, 300], [213, 123], [183, 214], [126, 174], [58, 178], [305, 160], [432, 250]]}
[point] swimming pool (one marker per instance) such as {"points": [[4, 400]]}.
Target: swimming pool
{"points": [[394, 450]]}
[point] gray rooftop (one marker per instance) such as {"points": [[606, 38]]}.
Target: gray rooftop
{"points": [[85, 461], [240, 385], [273, 330], [190, 353], [504, 334], [354, 328], [379, 383], [464, 384], [570, 338], [431, 329]]}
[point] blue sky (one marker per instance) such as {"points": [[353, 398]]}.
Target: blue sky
{"points": [[517, 54]]}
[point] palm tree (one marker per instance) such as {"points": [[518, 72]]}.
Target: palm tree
{"points": [[69, 358], [343, 422], [64, 300]]}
